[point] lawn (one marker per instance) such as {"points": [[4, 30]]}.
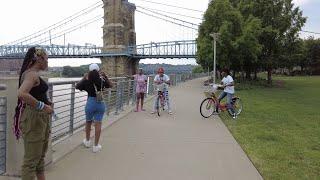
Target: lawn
{"points": [[279, 128]]}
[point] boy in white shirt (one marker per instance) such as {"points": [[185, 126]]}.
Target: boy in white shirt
{"points": [[159, 79], [228, 84]]}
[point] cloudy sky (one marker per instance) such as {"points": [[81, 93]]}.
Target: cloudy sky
{"points": [[20, 18]]}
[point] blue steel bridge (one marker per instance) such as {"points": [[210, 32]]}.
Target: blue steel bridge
{"points": [[170, 49]]}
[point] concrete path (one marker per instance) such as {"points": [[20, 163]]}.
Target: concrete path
{"points": [[142, 146]]}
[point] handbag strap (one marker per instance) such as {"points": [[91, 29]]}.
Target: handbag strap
{"points": [[95, 87]]}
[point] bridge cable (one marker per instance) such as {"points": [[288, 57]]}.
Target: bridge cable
{"points": [[172, 6], [170, 12], [166, 20], [69, 30], [170, 17], [310, 32], [58, 24]]}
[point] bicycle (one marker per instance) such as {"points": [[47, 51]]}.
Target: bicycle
{"points": [[160, 102], [210, 104]]}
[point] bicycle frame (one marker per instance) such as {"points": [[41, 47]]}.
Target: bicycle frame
{"points": [[160, 98], [221, 106]]}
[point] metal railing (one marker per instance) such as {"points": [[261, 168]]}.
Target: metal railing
{"points": [[54, 51], [69, 103], [3, 131]]}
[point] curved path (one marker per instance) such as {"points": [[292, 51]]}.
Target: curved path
{"points": [[142, 146]]}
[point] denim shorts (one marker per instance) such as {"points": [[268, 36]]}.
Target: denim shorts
{"points": [[94, 110]]}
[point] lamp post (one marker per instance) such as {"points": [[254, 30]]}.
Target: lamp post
{"points": [[215, 37]]}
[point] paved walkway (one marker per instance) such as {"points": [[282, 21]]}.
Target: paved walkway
{"points": [[182, 146]]}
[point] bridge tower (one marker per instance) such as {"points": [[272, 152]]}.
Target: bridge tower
{"points": [[118, 33]]}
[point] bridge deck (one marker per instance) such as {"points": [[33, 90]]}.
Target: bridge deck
{"points": [[141, 146]]}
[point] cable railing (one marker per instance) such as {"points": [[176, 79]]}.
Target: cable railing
{"points": [[69, 103]]}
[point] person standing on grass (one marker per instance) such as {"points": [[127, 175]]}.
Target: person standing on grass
{"points": [[33, 113], [92, 83], [141, 88]]}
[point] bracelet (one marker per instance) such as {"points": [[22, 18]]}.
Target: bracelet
{"points": [[40, 105]]}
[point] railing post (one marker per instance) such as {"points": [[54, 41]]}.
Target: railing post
{"points": [[3, 133], [72, 108], [108, 101], [128, 91], [50, 95], [134, 93], [122, 100], [118, 96]]}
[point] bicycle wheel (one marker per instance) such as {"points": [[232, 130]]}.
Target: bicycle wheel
{"points": [[162, 102], [158, 105], [237, 107], [207, 107]]}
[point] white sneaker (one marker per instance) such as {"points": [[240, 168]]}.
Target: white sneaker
{"points": [[170, 112], [86, 143], [97, 148], [152, 112]]}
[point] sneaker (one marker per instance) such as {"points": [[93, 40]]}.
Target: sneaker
{"points": [[86, 143], [170, 112], [152, 112], [97, 148], [215, 113]]}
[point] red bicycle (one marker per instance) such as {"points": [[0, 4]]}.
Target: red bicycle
{"points": [[210, 104], [160, 103]]}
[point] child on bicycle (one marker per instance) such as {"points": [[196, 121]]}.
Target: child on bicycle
{"points": [[159, 79], [228, 85]]}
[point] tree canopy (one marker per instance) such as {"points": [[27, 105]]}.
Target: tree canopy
{"points": [[254, 35]]}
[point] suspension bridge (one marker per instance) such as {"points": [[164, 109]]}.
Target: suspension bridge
{"points": [[56, 32], [172, 49]]}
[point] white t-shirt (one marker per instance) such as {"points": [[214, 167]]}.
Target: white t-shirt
{"points": [[226, 81], [165, 78]]}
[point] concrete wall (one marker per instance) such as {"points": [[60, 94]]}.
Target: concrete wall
{"points": [[15, 149]]}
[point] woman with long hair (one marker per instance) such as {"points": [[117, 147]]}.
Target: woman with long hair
{"points": [[93, 83], [33, 112]]}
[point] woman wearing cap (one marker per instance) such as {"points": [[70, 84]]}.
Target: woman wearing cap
{"points": [[33, 113], [93, 82], [141, 88]]}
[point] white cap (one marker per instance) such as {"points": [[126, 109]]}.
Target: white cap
{"points": [[94, 67]]}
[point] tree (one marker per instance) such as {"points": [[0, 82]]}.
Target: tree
{"points": [[262, 32], [249, 47], [197, 69], [223, 18], [281, 22]]}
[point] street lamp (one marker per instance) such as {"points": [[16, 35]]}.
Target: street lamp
{"points": [[215, 37]]}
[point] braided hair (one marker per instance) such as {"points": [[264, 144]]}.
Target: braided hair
{"points": [[28, 61]]}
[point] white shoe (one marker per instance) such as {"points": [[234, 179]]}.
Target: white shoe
{"points": [[170, 112], [97, 148], [152, 112], [86, 143]]}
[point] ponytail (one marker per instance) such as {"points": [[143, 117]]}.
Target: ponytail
{"points": [[28, 61]]}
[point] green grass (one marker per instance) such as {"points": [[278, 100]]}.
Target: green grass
{"points": [[279, 128]]}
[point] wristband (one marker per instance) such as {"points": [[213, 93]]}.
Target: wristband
{"points": [[40, 105]]}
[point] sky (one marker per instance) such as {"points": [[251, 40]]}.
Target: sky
{"points": [[20, 18]]}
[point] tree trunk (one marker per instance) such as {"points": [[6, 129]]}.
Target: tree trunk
{"points": [[248, 74], [255, 75], [269, 76]]}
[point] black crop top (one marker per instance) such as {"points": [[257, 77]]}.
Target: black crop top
{"points": [[86, 85], [40, 92]]}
